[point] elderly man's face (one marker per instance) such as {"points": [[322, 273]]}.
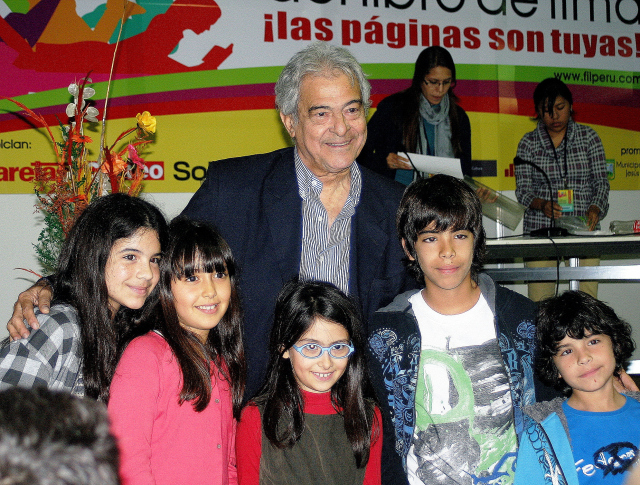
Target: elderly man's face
{"points": [[331, 128]]}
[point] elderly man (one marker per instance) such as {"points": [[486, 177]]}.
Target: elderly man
{"points": [[307, 210]]}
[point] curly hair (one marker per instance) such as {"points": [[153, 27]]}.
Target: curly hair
{"points": [[575, 314], [450, 204]]}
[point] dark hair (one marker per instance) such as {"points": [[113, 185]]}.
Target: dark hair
{"points": [[197, 247], [450, 204], [434, 56], [576, 314], [298, 306], [53, 437], [546, 92], [80, 281]]}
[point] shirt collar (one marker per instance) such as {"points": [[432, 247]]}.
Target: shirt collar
{"points": [[310, 186]]}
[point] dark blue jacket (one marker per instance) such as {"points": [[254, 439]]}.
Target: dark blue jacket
{"points": [[254, 203]]}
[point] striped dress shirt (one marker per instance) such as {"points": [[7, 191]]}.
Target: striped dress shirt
{"points": [[325, 250]]}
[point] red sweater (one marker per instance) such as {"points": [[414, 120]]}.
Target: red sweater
{"points": [[249, 439]]}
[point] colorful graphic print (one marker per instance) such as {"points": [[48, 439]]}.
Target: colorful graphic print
{"points": [[474, 441]]}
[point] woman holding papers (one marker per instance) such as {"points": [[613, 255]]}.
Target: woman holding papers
{"points": [[573, 158], [425, 119]]}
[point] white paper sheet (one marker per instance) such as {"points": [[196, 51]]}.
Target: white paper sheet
{"points": [[433, 165]]}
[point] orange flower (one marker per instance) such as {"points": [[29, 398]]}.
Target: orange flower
{"points": [[114, 164], [78, 138]]}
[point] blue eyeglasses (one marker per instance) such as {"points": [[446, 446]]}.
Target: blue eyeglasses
{"points": [[315, 351]]}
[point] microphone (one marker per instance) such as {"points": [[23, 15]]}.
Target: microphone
{"points": [[552, 231]]}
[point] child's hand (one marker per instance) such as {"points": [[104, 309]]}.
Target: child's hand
{"points": [[625, 383]]}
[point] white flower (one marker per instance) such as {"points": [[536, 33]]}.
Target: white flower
{"points": [[74, 90], [92, 114], [87, 92], [71, 110]]}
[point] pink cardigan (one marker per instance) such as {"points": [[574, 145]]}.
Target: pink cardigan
{"points": [[160, 441]]}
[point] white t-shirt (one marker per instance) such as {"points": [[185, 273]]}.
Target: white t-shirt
{"points": [[444, 332], [473, 327]]}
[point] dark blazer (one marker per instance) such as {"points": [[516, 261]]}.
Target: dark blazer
{"points": [[385, 136], [254, 203]]}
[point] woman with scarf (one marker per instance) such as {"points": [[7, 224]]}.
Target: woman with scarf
{"points": [[425, 119]]}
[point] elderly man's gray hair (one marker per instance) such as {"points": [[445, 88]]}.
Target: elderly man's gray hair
{"points": [[318, 58]]}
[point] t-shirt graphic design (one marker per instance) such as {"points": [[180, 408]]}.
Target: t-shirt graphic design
{"points": [[604, 444], [467, 437]]}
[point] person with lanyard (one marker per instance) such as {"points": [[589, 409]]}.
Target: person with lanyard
{"points": [[425, 119], [573, 157]]}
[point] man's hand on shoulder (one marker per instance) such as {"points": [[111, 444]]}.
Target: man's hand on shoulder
{"points": [[625, 383], [38, 295]]}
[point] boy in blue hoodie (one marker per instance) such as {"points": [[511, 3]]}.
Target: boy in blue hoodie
{"points": [[592, 437]]}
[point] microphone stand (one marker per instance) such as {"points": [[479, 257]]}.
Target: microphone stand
{"points": [[548, 232]]}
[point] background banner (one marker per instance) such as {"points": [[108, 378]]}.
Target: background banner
{"points": [[206, 69]]}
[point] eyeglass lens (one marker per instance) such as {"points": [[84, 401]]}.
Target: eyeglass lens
{"points": [[336, 350], [435, 82]]}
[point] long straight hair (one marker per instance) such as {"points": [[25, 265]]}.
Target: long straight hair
{"points": [[429, 58], [81, 282], [197, 247], [298, 306]]}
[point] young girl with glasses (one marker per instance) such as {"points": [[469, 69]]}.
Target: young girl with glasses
{"points": [[314, 420]]}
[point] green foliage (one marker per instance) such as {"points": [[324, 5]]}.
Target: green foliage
{"points": [[49, 243]]}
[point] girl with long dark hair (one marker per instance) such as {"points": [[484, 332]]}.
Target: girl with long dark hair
{"points": [[177, 391], [104, 288], [424, 118], [314, 420]]}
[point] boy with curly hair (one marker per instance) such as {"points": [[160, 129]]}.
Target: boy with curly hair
{"points": [[593, 435]]}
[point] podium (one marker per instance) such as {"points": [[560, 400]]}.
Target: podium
{"points": [[571, 248]]}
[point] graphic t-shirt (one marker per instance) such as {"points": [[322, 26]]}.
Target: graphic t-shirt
{"points": [[604, 444], [464, 431]]}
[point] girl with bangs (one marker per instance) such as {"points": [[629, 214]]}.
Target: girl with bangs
{"points": [[177, 391], [315, 420]]}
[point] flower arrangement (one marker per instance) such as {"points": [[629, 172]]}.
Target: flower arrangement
{"points": [[65, 188]]}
